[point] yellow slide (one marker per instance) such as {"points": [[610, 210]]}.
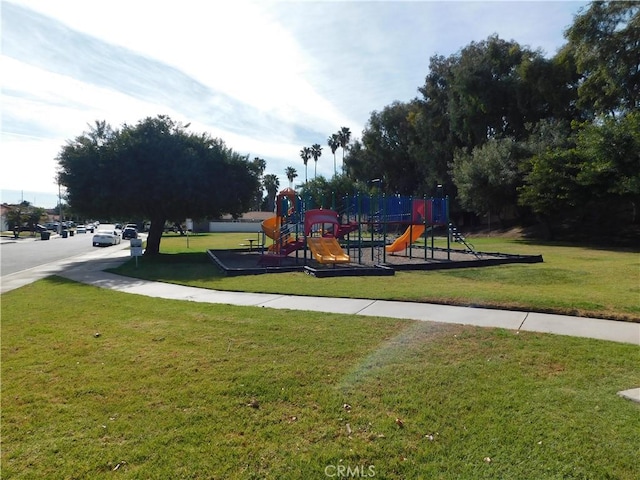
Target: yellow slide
{"points": [[327, 250], [407, 238]]}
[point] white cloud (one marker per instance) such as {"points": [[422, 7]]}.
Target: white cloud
{"points": [[60, 105], [232, 47], [267, 77], [28, 162], [49, 109]]}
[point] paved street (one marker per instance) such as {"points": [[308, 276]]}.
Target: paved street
{"points": [[24, 253], [67, 253]]}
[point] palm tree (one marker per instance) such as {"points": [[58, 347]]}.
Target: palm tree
{"points": [[305, 153], [271, 184], [258, 165], [334, 142], [316, 152], [291, 174], [344, 136]]}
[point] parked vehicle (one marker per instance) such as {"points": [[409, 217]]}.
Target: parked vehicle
{"points": [[106, 235], [36, 228], [129, 233]]}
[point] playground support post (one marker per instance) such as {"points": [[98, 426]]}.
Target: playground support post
{"points": [[374, 214], [424, 219], [359, 201], [446, 216], [411, 199], [432, 234], [384, 228]]}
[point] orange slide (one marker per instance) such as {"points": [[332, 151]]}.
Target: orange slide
{"points": [[271, 227], [327, 250], [407, 238]]}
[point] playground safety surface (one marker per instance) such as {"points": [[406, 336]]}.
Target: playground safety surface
{"points": [[367, 262]]}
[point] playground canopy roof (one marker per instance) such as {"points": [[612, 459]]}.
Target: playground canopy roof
{"points": [[314, 217]]}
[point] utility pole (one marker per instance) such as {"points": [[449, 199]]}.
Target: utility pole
{"points": [[59, 210]]}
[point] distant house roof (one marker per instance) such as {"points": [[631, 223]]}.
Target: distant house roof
{"points": [[251, 216], [3, 208]]}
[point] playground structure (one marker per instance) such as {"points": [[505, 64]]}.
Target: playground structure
{"points": [[364, 222], [324, 245], [293, 228], [381, 217], [362, 235]]}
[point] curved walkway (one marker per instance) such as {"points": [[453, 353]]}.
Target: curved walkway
{"points": [[625, 332], [89, 268]]}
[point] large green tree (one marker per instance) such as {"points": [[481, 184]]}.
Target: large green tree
{"points": [[605, 42], [612, 159], [155, 169], [487, 177], [488, 90], [323, 193], [591, 182], [389, 137], [24, 215], [259, 165], [499, 122]]}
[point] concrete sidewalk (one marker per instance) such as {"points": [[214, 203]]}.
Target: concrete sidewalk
{"points": [[625, 332], [89, 268], [521, 321]]}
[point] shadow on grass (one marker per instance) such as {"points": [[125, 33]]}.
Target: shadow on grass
{"points": [[57, 280], [536, 242], [175, 258], [172, 268]]}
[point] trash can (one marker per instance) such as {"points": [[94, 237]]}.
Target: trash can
{"points": [[64, 233], [45, 235], [72, 233]]}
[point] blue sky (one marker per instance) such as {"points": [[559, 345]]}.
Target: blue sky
{"points": [[267, 77]]}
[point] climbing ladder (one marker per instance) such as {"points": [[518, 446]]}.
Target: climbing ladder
{"points": [[378, 254], [456, 236]]}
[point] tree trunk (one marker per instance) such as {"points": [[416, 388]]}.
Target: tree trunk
{"points": [[155, 235]]}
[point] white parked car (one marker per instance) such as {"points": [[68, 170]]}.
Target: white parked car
{"points": [[106, 235]]}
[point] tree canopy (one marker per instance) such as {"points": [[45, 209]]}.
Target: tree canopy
{"points": [[24, 214], [605, 41], [502, 127], [155, 169], [271, 184], [507, 130]]}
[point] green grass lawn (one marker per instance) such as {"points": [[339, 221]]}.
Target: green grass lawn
{"points": [[572, 280], [172, 389]]}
